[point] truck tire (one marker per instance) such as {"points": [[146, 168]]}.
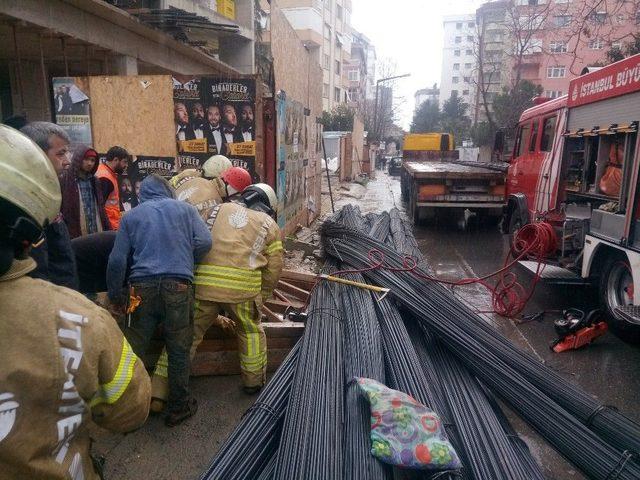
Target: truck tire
{"points": [[615, 290]]}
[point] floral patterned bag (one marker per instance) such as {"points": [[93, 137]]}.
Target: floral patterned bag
{"points": [[405, 433]]}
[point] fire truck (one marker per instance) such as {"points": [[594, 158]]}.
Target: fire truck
{"points": [[575, 165]]}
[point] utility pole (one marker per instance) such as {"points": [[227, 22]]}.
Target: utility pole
{"points": [[375, 106]]}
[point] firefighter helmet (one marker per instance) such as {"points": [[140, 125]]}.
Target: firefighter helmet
{"points": [[27, 178], [215, 165], [237, 178], [264, 193]]}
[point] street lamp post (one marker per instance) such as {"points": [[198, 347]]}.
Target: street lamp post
{"points": [[375, 106]]}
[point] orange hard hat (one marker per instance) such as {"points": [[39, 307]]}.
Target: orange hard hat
{"points": [[237, 177]]}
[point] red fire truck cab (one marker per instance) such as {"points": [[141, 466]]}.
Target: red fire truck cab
{"points": [[575, 165]]}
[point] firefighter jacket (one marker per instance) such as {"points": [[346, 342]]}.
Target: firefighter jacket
{"points": [[112, 203], [63, 361], [246, 258], [197, 191]]}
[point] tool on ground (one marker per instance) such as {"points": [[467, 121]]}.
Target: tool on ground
{"points": [[577, 329], [365, 286], [295, 315]]}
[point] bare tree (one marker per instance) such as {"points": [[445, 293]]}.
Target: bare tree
{"points": [[379, 119]]}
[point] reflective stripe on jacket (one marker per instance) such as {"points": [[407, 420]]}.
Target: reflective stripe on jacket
{"points": [[112, 204], [64, 362], [246, 258]]}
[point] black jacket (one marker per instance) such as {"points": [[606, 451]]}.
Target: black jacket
{"points": [[55, 258]]}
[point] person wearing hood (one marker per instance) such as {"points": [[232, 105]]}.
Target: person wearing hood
{"points": [[160, 240], [82, 198]]}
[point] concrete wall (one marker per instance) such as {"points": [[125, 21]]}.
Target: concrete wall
{"points": [[297, 74]]}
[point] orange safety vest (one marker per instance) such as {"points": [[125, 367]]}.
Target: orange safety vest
{"points": [[112, 205]]}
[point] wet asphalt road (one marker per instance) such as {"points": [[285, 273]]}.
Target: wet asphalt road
{"points": [[609, 369]]}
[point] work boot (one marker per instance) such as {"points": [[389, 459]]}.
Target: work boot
{"points": [[252, 390], [157, 406], [176, 418]]}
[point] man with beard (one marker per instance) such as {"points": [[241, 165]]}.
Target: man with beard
{"points": [[82, 200], [108, 172], [184, 131], [197, 120], [232, 133], [246, 122], [216, 142]]}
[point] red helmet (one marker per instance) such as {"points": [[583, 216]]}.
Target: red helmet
{"points": [[236, 177]]}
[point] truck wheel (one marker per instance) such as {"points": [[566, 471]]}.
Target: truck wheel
{"points": [[616, 290]]}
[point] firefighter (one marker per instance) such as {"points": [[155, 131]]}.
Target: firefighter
{"points": [[202, 191], [237, 276], [63, 360]]}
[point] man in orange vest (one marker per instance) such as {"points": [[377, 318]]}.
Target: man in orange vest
{"points": [[107, 174]]}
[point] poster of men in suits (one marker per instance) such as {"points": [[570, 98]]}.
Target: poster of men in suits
{"points": [[214, 116]]}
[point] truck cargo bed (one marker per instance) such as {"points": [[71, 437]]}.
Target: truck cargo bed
{"points": [[446, 170]]}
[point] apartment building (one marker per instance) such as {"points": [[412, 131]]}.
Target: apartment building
{"points": [[359, 71], [427, 94], [493, 47], [458, 58], [563, 37], [325, 27]]}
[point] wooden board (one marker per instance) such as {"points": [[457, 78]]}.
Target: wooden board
{"points": [[134, 112]]}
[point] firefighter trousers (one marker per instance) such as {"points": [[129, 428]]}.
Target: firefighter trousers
{"points": [[252, 342]]}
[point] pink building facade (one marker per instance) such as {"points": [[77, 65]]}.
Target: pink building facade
{"points": [[563, 37]]}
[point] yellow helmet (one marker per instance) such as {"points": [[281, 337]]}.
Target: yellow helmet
{"points": [[27, 178]]}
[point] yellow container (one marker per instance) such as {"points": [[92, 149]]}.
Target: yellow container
{"points": [[427, 141], [227, 8]]}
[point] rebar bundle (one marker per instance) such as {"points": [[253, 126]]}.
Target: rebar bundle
{"points": [[560, 412], [311, 445]]}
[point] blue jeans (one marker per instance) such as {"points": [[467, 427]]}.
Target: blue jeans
{"points": [[167, 302]]}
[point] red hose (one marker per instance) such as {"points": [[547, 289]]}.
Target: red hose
{"points": [[508, 297]]}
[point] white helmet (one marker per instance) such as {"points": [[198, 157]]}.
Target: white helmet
{"points": [[265, 193], [215, 165], [27, 178]]}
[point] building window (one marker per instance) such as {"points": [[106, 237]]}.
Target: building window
{"points": [[465, 92], [354, 75], [459, 26], [558, 47], [467, 66], [455, 80], [562, 20], [454, 93], [337, 67], [468, 51], [535, 46], [562, 1], [325, 61], [327, 32], [598, 17], [336, 94], [339, 12], [471, 25], [325, 90], [469, 38], [553, 93], [353, 94], [596, 44], [556, 72], [458, 39], [617, 45], [456, 66], [467, 79], [456, 53]]}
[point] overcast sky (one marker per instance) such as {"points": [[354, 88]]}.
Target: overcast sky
{"points": [[410, 32]]}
